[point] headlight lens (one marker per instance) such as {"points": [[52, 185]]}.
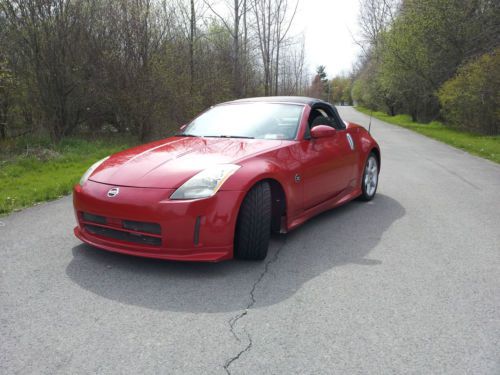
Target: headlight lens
{"points": [[94, 166], [206, 183]]}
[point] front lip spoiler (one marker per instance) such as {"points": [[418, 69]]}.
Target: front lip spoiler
{"points": [[201, 254]]}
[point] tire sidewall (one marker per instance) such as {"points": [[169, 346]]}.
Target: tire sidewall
{"points": [[254, 248]]}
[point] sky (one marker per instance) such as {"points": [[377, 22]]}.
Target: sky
{"points": [[328, 26]]}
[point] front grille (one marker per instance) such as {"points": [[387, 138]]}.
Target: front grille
{"points": [[93, 218], [140, 226], [123, 230], [123, 236]]}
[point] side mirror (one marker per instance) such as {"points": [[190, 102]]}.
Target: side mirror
{"points": [[323, 131]]}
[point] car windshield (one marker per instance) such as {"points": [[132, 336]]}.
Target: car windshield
{"points": [[247, 120]]}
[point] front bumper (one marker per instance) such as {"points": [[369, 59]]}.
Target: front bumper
{"points": [[195, 230]]}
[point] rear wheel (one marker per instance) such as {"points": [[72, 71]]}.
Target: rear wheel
{"points": [[253, 228], [370, 178]]}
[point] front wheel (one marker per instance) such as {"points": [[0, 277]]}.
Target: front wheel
{"points": [[370, 178], [253, 229]]}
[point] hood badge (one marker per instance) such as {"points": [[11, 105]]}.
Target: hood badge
{"points": [[113, 192]]}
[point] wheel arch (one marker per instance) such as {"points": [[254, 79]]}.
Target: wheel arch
{"points": [[279, 202], [376, 151]]}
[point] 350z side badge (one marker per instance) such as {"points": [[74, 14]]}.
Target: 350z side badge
{"points": [[351, 142], [113, 192]]}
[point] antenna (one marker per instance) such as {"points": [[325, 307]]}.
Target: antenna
{"points": [[370, 124]]}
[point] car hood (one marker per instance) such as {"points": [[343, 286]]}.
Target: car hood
{"points": [[170, 162]]}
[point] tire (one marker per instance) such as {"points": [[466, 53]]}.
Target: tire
{"points": [[253, 228], [369, 183]]}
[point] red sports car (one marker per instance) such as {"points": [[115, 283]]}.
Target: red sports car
{"points": [[233, 175]]}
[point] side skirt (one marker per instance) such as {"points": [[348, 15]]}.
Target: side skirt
{"points": [[322, 207]]}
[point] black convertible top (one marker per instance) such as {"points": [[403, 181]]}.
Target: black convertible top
{"points": [[281, 99]]}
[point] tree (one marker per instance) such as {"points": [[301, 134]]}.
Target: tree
{"points": [[238, 30], [471, 99], [48, 35], [320, 86], [6, 92], [412, 48], [272, 23], [138, 66], [374, 18], [340, 88]]}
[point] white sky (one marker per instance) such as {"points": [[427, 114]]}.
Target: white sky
{"points": [[327, 26]]}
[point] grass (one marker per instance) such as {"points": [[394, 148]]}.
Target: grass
{"points": [[487, 147], [41, 172]]}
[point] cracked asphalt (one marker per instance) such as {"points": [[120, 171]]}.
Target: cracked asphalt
{"points": [[408, 283]]}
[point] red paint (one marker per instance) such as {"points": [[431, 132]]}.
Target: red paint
{"points": [[322, 131], [330, 174]]}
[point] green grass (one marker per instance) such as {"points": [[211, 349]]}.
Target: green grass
{"points": [[43, 172], [487, 147]]}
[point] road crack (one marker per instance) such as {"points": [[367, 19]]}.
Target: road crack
{"points": [[235, 319]]}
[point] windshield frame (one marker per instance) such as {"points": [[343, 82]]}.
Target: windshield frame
{"points": [[292, 138]]}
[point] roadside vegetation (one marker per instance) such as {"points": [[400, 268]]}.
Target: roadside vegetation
{"points": [[141, 67], [33, 171], [485, 146], [82, 79], [434, 60]]}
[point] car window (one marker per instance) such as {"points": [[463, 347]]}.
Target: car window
{"points": [[248, 120], [323, 116]]}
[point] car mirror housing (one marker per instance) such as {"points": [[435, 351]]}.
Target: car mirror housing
{"points": [[323, 131]]}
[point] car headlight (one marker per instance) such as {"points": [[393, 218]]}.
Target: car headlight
{"points": [[206, 183], [93, 167]]}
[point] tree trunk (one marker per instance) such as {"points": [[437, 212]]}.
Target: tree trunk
{"points": [[3, 121], [276, 72], [245, 51], [3, 134], [191, 47], [236, 51]]}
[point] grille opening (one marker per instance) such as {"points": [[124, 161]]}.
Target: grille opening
{"points": [[123, 236], [93, 218], [140, 226]]}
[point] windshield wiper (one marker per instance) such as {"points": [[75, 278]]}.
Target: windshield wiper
{"points": [[229, 136], [185, 135]]}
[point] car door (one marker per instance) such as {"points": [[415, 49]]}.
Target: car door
{"points": [[328, 166]]}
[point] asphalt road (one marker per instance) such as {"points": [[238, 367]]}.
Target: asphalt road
{"points": [[408, 283]]}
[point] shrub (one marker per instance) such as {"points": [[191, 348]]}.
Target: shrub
{"points": [[471, 99]]}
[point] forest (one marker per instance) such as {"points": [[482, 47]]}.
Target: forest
{"points": [[139, 66], [431, 59], [142, 67], [82, 79]]}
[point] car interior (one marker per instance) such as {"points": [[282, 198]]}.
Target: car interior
{"points": [[323, 116]]}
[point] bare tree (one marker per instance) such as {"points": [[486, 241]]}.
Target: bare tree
{"points": [[272, 23], [282, 27], [374, 17], [139, 66], [192, 37], [238, 31]]}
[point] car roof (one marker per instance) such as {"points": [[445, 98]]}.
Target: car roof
{"points": [[280, 99]]}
